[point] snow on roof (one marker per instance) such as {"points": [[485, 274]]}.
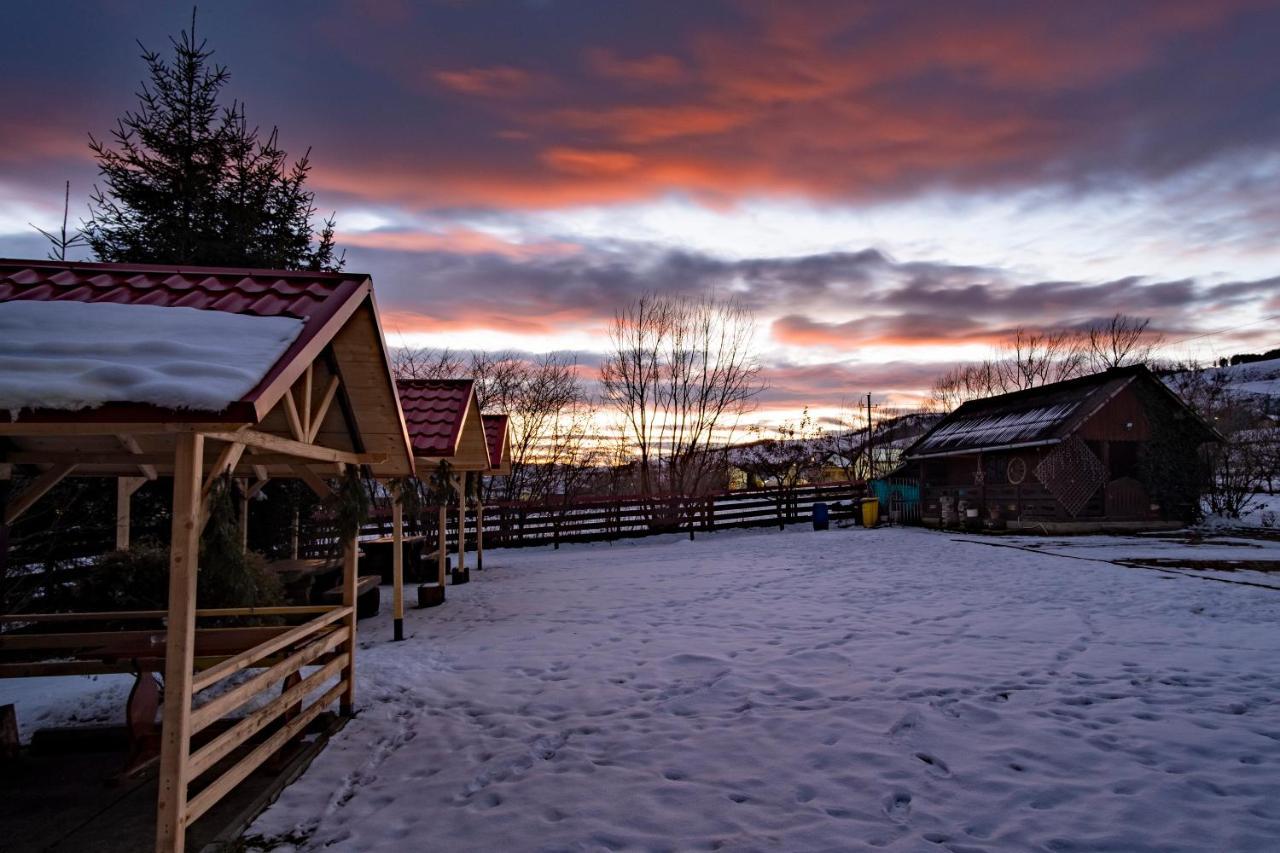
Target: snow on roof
{"points": [[78, 355], [999, 429]]}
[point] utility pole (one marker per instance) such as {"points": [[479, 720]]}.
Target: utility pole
{"points": [[870, 460]]}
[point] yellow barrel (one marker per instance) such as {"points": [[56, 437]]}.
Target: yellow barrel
{"points": [[870, 511]]}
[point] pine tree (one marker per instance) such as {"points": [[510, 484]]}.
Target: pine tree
{"points": [[189, 181]]}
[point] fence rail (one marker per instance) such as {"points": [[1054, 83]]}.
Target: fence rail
{"points": [[516, 525]]}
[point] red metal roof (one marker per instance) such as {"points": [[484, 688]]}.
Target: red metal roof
{"points": [[495, 434], [434, 410], [313, 297]]}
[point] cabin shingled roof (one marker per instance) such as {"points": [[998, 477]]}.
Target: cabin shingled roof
{"points": [[434, 410], [1043, 415]]}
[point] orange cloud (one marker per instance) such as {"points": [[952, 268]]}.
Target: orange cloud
{"points": [[459, 241], [577, 161], [497, 81]]}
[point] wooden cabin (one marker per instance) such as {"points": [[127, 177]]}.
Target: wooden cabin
{"points": [[139, 371], [1115, 450]]}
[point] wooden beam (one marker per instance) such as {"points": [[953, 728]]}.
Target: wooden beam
{"points": [[397, 566], [298, 449], [37, 489], [316, 483], [226, 463], [43, 430], [479, 537], [255, 488], [306, 405], [291, 412], [260, 471], [131, 444], [175, 733], [317, 420]]}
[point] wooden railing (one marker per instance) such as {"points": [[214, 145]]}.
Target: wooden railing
{"points": [[324, 642]]}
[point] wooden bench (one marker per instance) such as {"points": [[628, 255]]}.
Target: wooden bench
{"points": [[368, 596]]}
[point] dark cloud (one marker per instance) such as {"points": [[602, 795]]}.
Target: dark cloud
{"points": [[442, 104]]}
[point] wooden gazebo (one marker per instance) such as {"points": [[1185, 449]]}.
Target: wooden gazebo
{"points": [[444, 422], [138, 372]]}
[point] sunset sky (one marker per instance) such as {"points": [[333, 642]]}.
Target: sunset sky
{"points": [[890, 186]]}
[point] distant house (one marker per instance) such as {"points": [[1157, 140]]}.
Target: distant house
{"points": [[1115, 450]]}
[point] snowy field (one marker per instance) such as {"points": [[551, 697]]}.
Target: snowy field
{"points": [[890, 689]]}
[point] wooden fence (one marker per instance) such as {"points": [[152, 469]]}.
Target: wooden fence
{"points": [[516, 525]]}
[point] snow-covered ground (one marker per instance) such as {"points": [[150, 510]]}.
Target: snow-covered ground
{"points": [[893, 689]]}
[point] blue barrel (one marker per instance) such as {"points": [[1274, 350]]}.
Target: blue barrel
{"points": [[820, 516]]}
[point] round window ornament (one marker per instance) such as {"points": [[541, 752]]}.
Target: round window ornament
{"points": [[1017, 470]]}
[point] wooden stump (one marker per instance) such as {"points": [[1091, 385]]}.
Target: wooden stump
{"points": [[461, 576]]}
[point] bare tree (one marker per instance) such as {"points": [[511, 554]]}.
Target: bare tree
{"points": [[784, 458], [551, 419], [1030, 359], [63, 241], [1121, 341], [681, 372], [426, 363]]}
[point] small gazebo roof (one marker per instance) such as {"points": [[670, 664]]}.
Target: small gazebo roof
{"points": [[495, 433], [144, 344], [444, 421]]}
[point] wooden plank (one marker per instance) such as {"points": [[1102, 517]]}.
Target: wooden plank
{"points": [[224, 744], [298, 449], [218, 707], [105, 615], [38, 488], [246, 659], [175, 733], [219, 788], [317, 420]]}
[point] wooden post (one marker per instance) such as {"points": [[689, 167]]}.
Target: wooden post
{"points": [[350, 569], [462, 524], [293, 536], [175, 734], [397, 565], [479, 537], [125, 487], [442, 538]]}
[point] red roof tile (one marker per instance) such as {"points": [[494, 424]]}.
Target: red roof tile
{"points": [[434, 410], [313, 297], [495, 434]]}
